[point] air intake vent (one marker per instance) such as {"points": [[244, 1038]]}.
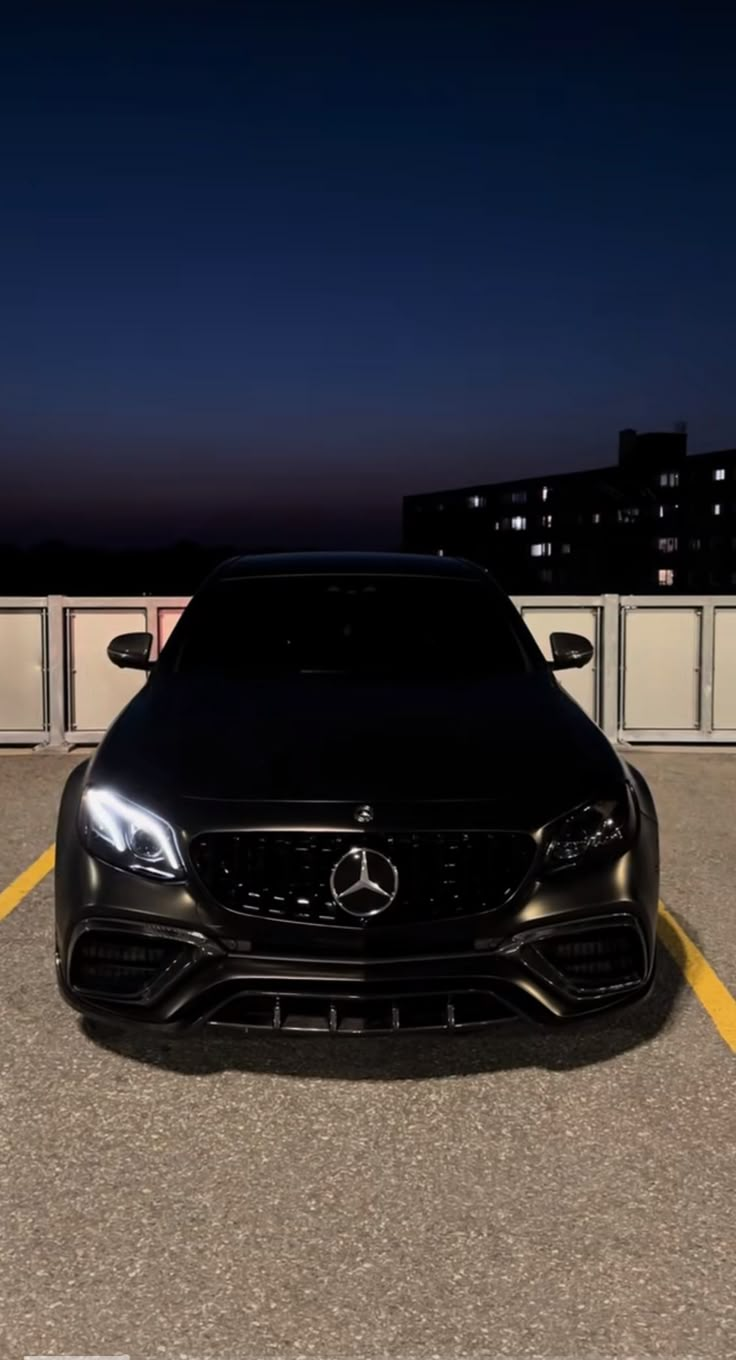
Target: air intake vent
{"points": [[594, 959], [120, 964]]}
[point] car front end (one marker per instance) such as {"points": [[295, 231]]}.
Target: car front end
{"points": [[352, 918]]}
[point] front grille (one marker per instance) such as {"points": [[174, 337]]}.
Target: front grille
{"points": [[441, 874], [341, 1014], [597, 958]]}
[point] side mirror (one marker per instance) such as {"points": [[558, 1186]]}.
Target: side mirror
{"points": [[570, 651], [131, 651]]}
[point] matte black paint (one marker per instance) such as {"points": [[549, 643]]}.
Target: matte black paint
{"points": [[302, 753]]}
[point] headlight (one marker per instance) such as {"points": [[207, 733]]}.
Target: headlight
{"points": [[602, 829], [128, 836]]}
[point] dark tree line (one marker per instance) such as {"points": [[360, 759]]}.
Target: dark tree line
{"points": [[56, 568]]}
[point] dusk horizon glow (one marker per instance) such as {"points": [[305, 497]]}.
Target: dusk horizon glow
{"points": [[268, 269]]}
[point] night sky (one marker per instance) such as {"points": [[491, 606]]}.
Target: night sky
{"points": [[264, 268]]}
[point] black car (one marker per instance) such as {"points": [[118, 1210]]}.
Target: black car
{"points": [[353, 797]]}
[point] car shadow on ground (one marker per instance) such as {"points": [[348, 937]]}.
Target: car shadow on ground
{"points": [[407, 1057]]}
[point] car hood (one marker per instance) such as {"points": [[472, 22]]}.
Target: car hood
{"points": [[516, 742]]}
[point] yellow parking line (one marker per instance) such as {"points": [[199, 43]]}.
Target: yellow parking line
{"points": [[12, 896], [712, 994]]}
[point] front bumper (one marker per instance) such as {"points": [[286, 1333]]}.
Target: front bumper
{"points": [[212, 988], [222, 970]]}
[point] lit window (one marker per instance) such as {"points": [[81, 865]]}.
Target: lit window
{"points": [[661, 512], [518, 498], [440, 552], [695, 544], [518, 522], [596, 518], [476, 502], [716, 509], [719, 475], [541, 549], [545, 493], [547, 521], [497, 525], [566, 549], [667, 545], [666, 576], [629, 515], [669, 479]]}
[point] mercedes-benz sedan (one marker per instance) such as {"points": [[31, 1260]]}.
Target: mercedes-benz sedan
{"points": [[353, 797]]}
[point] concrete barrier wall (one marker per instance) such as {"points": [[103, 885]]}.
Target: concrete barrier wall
{"points": [[661, 669], [22, 667], [664, 669], [724, 671]]}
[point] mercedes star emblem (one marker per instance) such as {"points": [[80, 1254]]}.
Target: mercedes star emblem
{"points": [[364, 882]]}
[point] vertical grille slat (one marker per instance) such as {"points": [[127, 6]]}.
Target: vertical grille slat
{"points": [[286, 875]]}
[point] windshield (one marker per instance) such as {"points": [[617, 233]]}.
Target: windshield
{"points": [[370, 626]]}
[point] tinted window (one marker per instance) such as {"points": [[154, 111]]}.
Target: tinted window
{"points": [[354, 625]]}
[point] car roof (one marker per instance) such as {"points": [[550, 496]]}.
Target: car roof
{"points": [[349, 564]]}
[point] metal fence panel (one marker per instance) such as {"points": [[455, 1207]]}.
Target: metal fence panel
{"points": [[22, 646], [724, 670], [661, 679], [664, 668], [97, 689], [582, 684], [167, 621]]}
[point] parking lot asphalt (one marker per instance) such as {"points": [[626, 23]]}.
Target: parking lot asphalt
{"points": [[552, 1195]]}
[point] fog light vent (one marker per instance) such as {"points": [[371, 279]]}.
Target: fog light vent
{"points": [[119, 964], [609, 956]]}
